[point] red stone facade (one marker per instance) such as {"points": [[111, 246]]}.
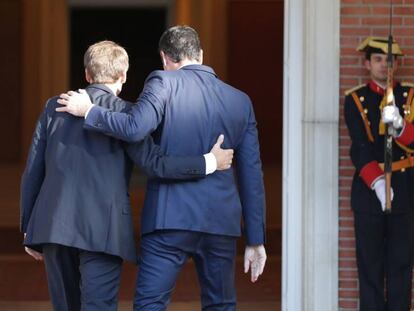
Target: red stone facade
{"points": [[359, 19]]}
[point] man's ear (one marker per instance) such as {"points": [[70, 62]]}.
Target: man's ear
{"points": [[163, 58], [124, 76], [201, 56], [88, 77]]}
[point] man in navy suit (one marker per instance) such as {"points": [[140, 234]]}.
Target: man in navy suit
{"points": [[186, 106], [75, 209]]}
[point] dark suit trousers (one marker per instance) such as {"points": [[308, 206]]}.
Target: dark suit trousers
{"points": [[164, 253], [81, 280], [384, 245]]}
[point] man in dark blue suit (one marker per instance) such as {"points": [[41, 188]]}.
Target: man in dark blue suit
{"points": [[75, 209], [186, 106]]}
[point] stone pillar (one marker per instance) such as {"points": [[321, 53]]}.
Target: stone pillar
{"points": [[310, 155]]}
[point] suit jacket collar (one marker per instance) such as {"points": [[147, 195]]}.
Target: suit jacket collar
{"points": [[103, 96], [96, 90], [199, 68]]}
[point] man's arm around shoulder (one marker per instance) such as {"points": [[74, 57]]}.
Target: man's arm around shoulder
{"points": [[149, 157]]}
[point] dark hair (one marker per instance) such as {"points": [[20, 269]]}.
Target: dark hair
{"points": [[180, 42], [370, 50]]}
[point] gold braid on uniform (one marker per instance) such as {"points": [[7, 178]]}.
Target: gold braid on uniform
{"points": [[409, 106], [381, 126]]}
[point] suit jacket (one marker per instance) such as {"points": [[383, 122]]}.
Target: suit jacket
{"points": [[74, 189], [188, 109], [366, 154]]}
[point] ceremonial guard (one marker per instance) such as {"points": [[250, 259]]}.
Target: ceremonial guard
{"points": [[384, 240]]}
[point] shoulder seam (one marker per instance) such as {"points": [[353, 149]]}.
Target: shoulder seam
{"points": [[407, 84], [349, 91]]}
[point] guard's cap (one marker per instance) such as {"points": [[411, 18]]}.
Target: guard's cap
{"points": [[378, 45]]}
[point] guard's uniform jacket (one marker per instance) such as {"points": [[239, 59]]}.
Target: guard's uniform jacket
{"points": [[384, 242], [367, 150]]}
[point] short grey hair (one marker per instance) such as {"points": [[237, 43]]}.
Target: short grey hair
{"points": [[105, 61]]}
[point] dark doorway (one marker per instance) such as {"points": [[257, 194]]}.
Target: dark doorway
{"points": [[255, 43], [137, 29], [10, 121]]}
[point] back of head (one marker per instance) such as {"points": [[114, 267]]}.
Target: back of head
{"points": [[105, 62], [179, 43]]}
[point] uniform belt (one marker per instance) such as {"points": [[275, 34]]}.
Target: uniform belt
{"points": [[400, 164]]}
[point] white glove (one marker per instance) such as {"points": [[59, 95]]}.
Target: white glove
{"points": [[379, 188], [391, 114], [255, 259]]}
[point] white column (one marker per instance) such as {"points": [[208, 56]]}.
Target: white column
{"points": [[310, 155]]}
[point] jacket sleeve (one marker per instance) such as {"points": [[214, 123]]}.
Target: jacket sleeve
{"points": [[149, 157], [362, 150], [34, 172], [140, 120], [406, 136], [250, 182]]}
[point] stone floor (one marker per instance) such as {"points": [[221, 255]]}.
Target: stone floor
{"points": [[19, 292], [126, 305]]}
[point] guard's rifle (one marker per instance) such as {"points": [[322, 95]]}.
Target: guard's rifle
{"points": [[389, 129]]}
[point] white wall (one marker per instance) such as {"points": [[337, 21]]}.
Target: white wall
{"points": [[310, 155]]}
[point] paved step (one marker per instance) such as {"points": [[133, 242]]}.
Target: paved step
{"points": [[24, 279], [126, 306]]}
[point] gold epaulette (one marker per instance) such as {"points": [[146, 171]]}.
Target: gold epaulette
{"points": [[356, 88], [407, 84]]}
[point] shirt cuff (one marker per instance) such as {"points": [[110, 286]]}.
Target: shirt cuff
{"points": [[87, 111], [211, 163]]}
